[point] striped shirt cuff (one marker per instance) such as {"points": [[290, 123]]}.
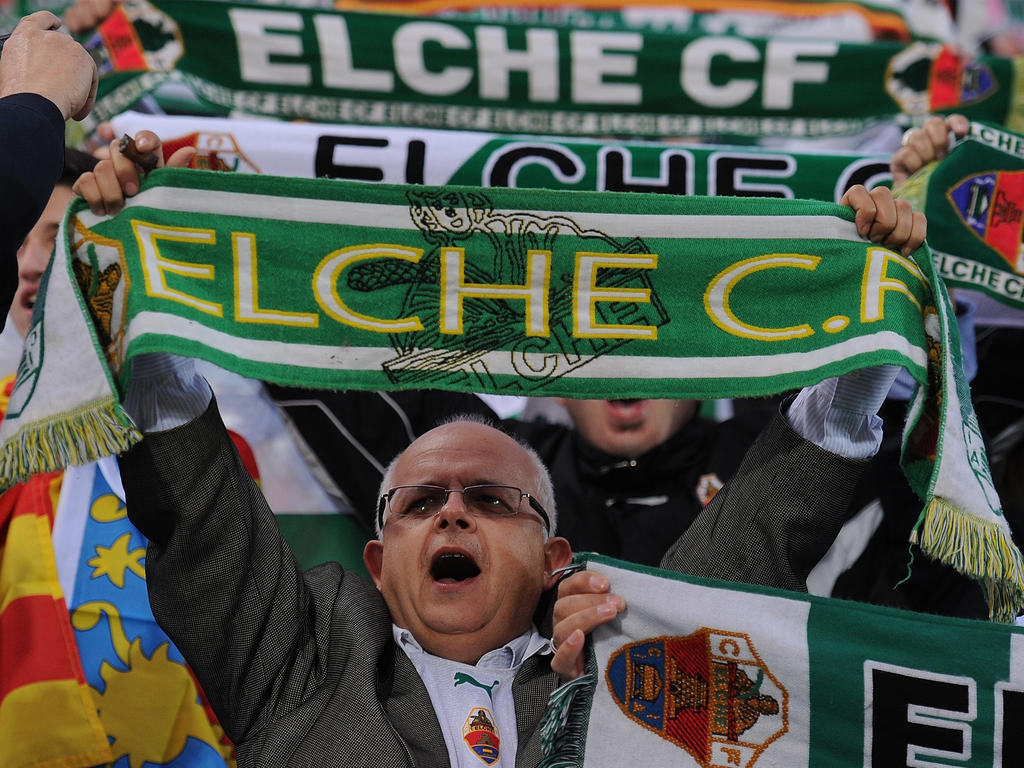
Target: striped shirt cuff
{"points": [[165, 392], [840, 414]]}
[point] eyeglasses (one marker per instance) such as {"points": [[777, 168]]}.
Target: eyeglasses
{"points": [[418, 502]]}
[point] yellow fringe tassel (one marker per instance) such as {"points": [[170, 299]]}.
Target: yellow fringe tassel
{"points": [[85, 434], [979, 549]]}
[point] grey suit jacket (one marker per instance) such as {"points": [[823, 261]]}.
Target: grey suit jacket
{"points": [[301, 668]]}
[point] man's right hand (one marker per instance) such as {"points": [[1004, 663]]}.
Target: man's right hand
{"points": [[40, 57], [583, 603], [117, 177]]}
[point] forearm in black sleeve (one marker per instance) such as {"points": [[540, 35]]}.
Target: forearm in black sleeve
{"points": [[31, 161]]}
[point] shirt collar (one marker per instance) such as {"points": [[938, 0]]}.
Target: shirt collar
{"points": [[509, 656]]}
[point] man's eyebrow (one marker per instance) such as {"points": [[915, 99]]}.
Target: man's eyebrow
{"points": [[469, 484]]}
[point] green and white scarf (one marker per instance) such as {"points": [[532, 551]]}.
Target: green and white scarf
{"points": [[704, 673], [822, 19], [336, 285], [974, 201], [425, 156], [383, 69]]}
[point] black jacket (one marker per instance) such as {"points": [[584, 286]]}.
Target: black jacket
{"points": [[31, 160]]}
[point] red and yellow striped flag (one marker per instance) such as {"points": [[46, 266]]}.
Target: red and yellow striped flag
{"points": [[47, 715]]}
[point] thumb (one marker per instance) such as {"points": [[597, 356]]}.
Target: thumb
{"points": [[567, 661]]}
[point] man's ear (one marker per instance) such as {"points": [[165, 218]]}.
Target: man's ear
{"points": [[373, 559], [557, 553]]}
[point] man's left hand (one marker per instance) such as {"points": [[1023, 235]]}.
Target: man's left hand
{"points": [[584, 603]]}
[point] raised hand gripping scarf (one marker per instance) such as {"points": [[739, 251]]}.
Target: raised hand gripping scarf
{"points": [[421, 155], [720, 675], [974, 200], [329, 284], [383, 69]]}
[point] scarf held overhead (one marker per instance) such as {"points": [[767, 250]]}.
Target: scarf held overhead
{"points": [[425, 156], [315, 64], [974, 200], [829, 19], [336, 285]]}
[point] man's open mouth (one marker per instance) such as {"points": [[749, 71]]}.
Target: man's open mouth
{"points": [[453, 567]]}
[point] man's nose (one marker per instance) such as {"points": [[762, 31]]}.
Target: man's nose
{"points": [[454, 512]]}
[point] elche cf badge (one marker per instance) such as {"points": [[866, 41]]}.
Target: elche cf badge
{"points": [[925, 77], [708, 692], [990, 204], [215, 151], [481, 735]]}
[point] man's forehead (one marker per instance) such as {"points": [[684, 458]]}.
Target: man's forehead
{"points": [[466, 451]]}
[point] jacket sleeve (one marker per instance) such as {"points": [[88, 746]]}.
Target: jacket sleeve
{"points": [[775, 519], [31, 160], [223, 584]]}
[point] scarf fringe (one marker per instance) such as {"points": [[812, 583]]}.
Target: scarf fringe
{"points": [[563, 727], [88, 433], [978, 549]]}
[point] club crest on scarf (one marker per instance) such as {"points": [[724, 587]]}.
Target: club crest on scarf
{"points": [[495, 254], [991, 204], [708, 692], [481, 735], [215, 151], [136, 36], [102, 277], [924, 78]]}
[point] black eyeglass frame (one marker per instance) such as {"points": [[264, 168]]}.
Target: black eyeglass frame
{"points": [[535, 505]]}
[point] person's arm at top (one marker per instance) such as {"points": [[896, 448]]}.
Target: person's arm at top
{"points": [[45, 78]]}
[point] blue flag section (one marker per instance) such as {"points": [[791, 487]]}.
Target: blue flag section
{"points": [[149, 702]]}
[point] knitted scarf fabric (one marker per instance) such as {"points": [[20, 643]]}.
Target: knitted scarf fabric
{"points": [[384, 69], [329, 284], [714, 674], [974, 200], [425, 156]]}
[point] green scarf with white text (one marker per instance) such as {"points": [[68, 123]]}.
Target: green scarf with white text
{"points": [[383, 69], [698, 672], [336, 285], [974, 201], [425, 156]]}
